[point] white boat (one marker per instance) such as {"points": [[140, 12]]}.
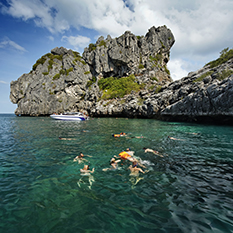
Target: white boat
{"points": [[70, 116]]}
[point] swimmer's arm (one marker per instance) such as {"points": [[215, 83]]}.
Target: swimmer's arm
{"points": [[141, 165], [88, 155], [86, 171], [141, 170]]}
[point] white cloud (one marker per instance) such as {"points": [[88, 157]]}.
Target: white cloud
{"points": [[78, 41], [3, 82], [51, 38], [7, 43], [201, 27], [178, 69]]}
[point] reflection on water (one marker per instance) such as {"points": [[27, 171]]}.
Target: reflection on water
{"points": [[188, 190]]}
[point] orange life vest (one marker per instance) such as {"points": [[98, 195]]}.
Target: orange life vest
{"points": [[124, 155]]}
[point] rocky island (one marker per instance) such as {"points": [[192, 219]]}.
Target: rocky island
{"points": [[126, 77]]}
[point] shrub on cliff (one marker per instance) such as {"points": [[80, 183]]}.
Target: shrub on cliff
{"points": [[225, 55], [118, 87]]}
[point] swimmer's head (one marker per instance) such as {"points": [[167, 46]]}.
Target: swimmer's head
{"points": [[112, 160], [135, 164], [86, 167]]}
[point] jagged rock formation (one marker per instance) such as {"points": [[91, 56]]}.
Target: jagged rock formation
{"points": [[130, 54], [64, 81]]}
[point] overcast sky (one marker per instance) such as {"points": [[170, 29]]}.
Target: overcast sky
{"points": [[31, 28]]}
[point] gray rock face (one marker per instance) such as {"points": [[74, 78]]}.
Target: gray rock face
{"points": [[56, 84], [129, 54], [200, 97]]}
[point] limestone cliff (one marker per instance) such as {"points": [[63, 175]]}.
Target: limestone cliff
{"points": [[64, 81], [126, 77]]}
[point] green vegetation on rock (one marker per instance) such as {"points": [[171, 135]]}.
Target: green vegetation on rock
{"points": [[224, 74], [91, 47], [102, 43], [203, 76], [140, 66], [90, 82], [69, 70], [78, 58], [225, 55], [157, 59], [118, 87], [39, 61], [44, 58], [56, 76], [158, 89]]}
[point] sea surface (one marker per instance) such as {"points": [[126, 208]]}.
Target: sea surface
{"points": [[189, 189]]}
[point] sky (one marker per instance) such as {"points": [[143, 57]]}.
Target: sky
{"points": [[31, 28]]}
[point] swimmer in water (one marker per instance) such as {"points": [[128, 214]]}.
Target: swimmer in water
{"points": [[175, 138], [134, 173], [122, 134], [85, 171], [80, 158], [152, 151], [128, 155], [113, 163], [66, 138]]}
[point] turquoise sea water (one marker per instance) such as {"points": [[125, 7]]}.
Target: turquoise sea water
{"points": [[190, 189]]}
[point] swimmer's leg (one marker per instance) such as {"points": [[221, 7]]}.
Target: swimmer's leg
{"points": [[80, 181], [138, 179], [91, 180]]}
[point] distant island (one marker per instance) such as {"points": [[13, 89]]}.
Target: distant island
{"points": [[126, 76]]}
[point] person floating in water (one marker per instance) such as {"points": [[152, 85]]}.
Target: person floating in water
{"points": [[128, 155], [134, 173], [114, 164], [152, 151], [137, 136], [80, 158], [122, 134], [85, 171], [66, 138], [175, 138]]}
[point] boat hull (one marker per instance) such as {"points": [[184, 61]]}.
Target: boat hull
{"points": [[68, 117]]}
